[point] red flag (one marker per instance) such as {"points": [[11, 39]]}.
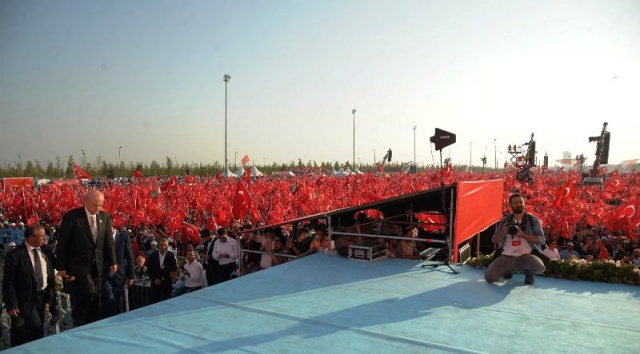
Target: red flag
{"points": [[604, 253], [241, 201], [79, 172], [170, 185], [246, 176], [192, 232], [137, 174], [245, 159], [564, 194]]}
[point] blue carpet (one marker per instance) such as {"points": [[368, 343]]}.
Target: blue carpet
{"points": [[324, 303]]}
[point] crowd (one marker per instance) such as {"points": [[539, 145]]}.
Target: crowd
{"points": [[179, 242]]}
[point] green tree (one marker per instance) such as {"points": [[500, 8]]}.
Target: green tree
{"points": [[168, 166], [69, 172], [29, 170]]}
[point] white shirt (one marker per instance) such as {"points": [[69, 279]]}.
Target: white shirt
{"points": [[230, 247], [267, 244], [195, 279], [161, 257], [552, 254], [43, 264], [515, 246]]}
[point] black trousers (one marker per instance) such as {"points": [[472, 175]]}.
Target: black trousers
{"points": [[112, 302], [224, 272], [212, 271], [160, 292], [28, 325], [86, 306]]}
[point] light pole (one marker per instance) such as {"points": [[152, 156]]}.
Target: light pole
{"points": [[235, 160], [226, 79], [84, 159], [354, 136], [414, 144], [20, 158], [495, 154], [470, 144], [119, 160]]}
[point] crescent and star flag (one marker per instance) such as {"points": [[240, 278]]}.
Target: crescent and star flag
{"points": [[245, 159], [564, 194], [241, 201], [79, 172]]}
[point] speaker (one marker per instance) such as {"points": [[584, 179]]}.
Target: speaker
{"points": [[442, 139], [546, 161]]}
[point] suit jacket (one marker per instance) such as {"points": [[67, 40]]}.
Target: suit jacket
{"points": [[76, 251], [164, 274], [19, 283], [124, 259]]}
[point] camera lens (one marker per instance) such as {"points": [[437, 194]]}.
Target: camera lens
{"points": [[513, 229]]}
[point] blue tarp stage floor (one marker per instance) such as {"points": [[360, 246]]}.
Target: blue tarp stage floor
{"points": [[327, 304]]}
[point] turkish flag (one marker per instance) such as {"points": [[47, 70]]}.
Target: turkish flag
{"points": [[245, 159], [137, 174], [604, 253], [79, 172], [564, 194], [246, 175], [192, 232], [170, 185], [211, 224], [241, 201]]}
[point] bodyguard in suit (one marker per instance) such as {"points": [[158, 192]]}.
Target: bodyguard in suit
{"points": [[85, 245], [28, 287], [113, 284], [161, 266], [209, 264]]}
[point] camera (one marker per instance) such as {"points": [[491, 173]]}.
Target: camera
{"points": [[513, 228]]}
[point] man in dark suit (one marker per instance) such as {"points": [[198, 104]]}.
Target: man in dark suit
{"points": [[28, 287], [113, 284], [85, 244], [209, 264], [161, 267]]}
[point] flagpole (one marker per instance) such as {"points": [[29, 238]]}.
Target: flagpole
{"points": [[354, 138], [226, 79]]}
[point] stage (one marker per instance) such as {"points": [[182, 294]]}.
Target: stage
{"points": [[324, 303]]}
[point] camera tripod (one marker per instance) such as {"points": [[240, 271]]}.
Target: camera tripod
{"points": [[449, 236]]}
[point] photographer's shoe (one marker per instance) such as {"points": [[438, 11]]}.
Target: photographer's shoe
{"points": [[529, 279], [508, 275]]}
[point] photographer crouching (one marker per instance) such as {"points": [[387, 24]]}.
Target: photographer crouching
{"points": [[519, 236]]}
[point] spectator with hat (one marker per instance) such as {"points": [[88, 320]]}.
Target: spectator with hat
{"points": [[568, 253]]}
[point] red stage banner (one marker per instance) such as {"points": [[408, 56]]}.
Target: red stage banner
{"points": [[478, 206]]}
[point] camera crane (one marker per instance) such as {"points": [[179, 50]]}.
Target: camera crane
{"points": [[602, 150], [524, 173], [387, 157]]}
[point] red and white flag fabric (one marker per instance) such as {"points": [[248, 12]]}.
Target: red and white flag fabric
{"points": [[170, 185], [564, 194], [604, 253], [245, 159], [241, 201], [79, 172]]}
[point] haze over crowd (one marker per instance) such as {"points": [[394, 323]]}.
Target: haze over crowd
{"points": [[142, 81]]}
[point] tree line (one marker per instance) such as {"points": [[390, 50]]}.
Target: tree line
{"points": [[169, 167]]}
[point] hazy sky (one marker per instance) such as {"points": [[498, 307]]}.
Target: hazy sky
{"points": [[147, 76]]}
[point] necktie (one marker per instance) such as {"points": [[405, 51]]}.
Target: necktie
{"points": [[94, 227], [38, 269]]}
